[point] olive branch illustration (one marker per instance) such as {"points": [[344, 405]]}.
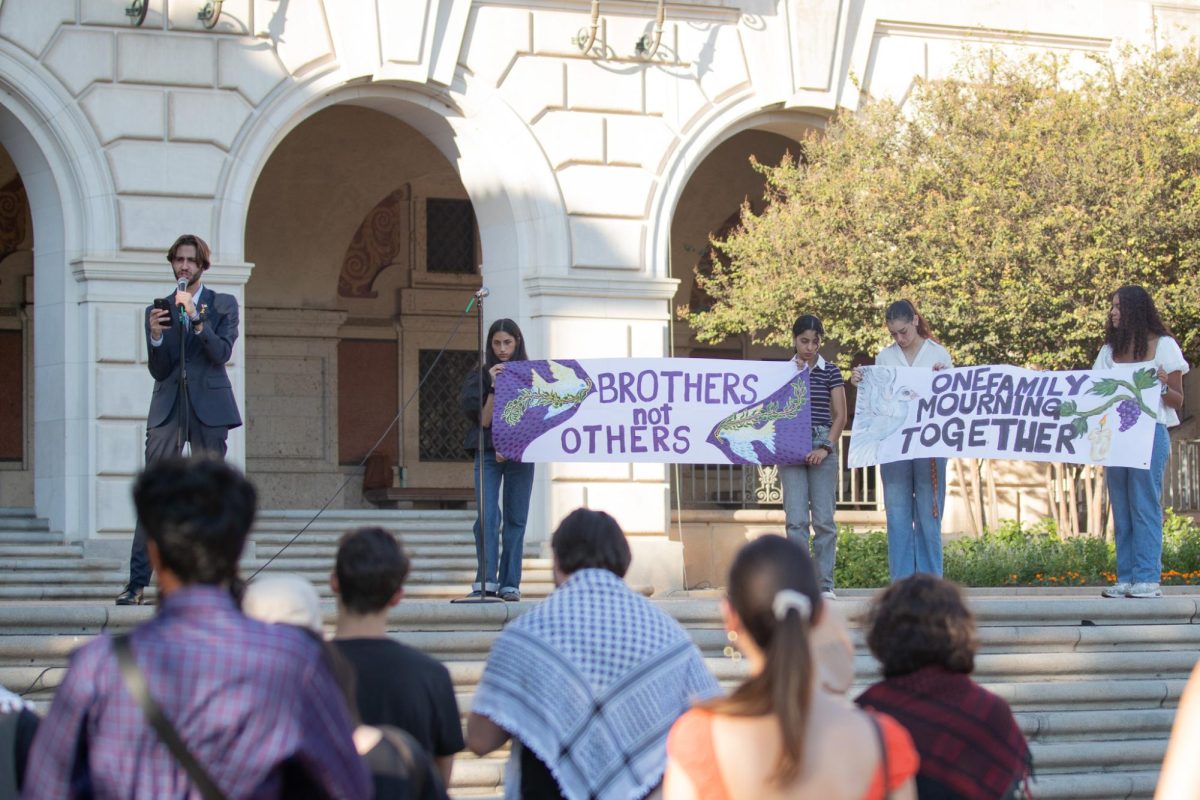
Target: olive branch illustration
{"points": [[1110, 387], [527, 398], [753, 418]]}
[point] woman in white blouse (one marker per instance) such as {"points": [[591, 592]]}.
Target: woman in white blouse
{"points": [[914, 491], [1136, 335]]}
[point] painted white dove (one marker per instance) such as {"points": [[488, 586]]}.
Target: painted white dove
{"points": [[565, 383], [741, 440], [881, 410]]}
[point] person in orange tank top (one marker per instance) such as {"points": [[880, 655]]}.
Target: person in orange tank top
{"points": [[779, 735]]}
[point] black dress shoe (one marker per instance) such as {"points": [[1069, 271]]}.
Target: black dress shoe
{"points": [[130, 597]]}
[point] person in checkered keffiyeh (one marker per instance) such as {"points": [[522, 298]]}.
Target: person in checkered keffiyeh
{"points": [[590, 681]]}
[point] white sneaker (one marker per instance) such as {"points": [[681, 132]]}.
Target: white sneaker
{"points": [[1146, 589], [828, 594], [1117, 590]]}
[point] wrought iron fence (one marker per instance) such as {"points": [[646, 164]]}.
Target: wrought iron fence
{"points": [[1181, 487], [737, 486]]}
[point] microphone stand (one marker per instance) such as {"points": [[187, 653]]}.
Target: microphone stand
{"points": [[481, 494], [182, 434]]}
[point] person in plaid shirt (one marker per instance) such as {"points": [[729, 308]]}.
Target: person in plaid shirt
{"points": [[254, 703]]}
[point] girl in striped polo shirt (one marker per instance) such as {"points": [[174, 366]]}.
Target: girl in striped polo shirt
{"points": [[810, 489]]}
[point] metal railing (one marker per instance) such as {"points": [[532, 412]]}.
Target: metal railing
{"points": [[737, 486], [734, 486], [1181, 485]]}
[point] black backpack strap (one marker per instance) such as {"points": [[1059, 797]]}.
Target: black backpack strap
{"points": [[135, 682]]}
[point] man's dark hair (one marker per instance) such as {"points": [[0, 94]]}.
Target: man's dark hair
{"points": [[918, 622], [588, 539], [371, 567], [203, 253], [198, 513]]}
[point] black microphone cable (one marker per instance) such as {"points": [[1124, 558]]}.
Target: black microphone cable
{"points": [[382, 436]]}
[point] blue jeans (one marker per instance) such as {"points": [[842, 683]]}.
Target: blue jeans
{"points": [[810, 493], [1136, 497], [914, 532], [505, 542]]}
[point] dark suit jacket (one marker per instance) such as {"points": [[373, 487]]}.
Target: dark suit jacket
{"points": [[207, 353]]}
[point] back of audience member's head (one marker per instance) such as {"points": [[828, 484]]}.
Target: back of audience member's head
{"points": [[371, 568], [774, 593], [588, 539], [918, 622], [286, 599], [197, 512]]}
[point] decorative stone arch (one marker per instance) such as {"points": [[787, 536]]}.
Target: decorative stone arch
{"points": [[519, 210], [72, 203], [746, 114]]}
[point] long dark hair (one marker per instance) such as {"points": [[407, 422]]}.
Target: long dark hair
{"points": [[906, 311], [760, 572], [1139, 321], [511, 328]]}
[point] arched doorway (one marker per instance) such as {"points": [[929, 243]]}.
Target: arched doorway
{"points": [[16, 338], [366, 253], [708, 207]]}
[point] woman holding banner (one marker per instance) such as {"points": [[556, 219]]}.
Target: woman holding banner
{"points": [[914, 491], [1135, 335], [811, 488], [504, 537]]}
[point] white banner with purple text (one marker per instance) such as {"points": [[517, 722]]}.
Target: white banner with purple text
{"points": [[659, 410], [1103, 416]]}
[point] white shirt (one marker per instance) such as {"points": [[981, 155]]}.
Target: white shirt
{"points": [[930, 353], [1166, 355]]}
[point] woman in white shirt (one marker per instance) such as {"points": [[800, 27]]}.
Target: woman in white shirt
{"points": [[914, 491], [1136, 335]]}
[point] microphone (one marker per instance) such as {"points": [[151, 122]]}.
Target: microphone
{"points": [[182, 286], [482, 293]]}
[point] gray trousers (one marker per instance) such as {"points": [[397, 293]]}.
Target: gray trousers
{"points": [[809, 497]]}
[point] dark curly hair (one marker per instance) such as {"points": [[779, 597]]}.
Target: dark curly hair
{"points": [[198, 512], [371, 567], [918, 622], [1139, 321]]}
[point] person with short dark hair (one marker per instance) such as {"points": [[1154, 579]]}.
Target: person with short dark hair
{"points": [[589, 681], [402, 769], [971, 748], [396, 685], [590, 540], [253, 703], [196, 327]]}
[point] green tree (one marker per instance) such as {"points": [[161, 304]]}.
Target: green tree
{"points": [[1008, 201]]}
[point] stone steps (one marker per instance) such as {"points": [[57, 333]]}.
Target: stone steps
{"points": [[1093, 683], [36, 564]]}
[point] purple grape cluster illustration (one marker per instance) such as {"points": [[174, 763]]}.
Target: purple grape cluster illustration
{"points": [[1125, 395], [1129, 412]]}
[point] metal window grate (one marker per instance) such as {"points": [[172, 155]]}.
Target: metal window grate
{"points": [[443, 426], [449, 236]]}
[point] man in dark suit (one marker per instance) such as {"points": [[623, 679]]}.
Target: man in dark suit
{"points": [[204, 414]]}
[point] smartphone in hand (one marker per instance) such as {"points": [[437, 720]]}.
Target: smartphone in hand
{"points": [[160, 304]]}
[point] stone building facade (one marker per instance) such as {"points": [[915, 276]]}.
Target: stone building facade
{"points": [[360, 166]]}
